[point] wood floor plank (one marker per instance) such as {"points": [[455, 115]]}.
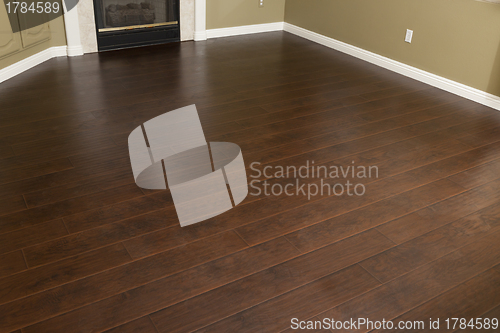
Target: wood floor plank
{"points": [[54, 127], [422, 221], [279, 153], [64, 177], [419, 286], [73, 190], [358, 141], [90, 156], [151, 242], [328, 91], [306, 132], [457, 163], [57, 148], [282, 105], [214, 125], [280, 80], [292, 86], [42, 278], [492, 314], [316, 121], [269, 118], [390, 92], [215, 305], [483, 137], [141, 325], [11, 263], [37, 169], [12, 204], [165, 239], [167, 266], [426, 172], [432, 96], [117, 212], [437, 243], [336, 228], [479, 175], [261, 230], [73, 244], [252, 77], [65, 145], [54, 108], [64, 208], [224, 118], [303, 97], [245, 69], [342, 90], [25, 237], [95, 133], [276, 314], [136, 303], [410, 110], [403, 126], [285, 125], [470, 300], [6, 152]]}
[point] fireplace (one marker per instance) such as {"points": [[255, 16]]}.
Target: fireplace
{"points": [[131, 23]]}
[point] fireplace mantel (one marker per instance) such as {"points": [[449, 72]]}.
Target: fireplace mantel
{"points": [[81, 29]]}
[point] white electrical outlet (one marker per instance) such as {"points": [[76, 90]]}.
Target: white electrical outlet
{"points": [[409, 35], [261, 3]]}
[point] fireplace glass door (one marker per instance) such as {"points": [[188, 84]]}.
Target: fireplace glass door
{"points": [[124, 14]]}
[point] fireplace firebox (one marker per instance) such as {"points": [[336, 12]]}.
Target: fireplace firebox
{"points": [[131, 23]]}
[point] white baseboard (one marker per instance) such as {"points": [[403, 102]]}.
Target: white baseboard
{"points": [[75, 51], [30, 62], [200, 35], [245, 29], [456, 88]]}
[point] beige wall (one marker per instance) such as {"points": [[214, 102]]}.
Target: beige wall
{"points": [[57, 38], [457, 39], [233, 13]]}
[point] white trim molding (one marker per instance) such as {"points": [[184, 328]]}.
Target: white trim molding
{"points": [[437, 81], [245, 29], [72, 26], [200, 20], [30, 62], [186, 17]]}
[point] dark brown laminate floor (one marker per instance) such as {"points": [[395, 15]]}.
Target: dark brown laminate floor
{"points": [[83, 249]]}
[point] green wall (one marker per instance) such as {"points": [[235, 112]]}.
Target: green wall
{"points": [[233, 13], [57, 38], [456, 39]]}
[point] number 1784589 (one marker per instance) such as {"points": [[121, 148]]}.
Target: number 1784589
{"points": [[33, 7]]}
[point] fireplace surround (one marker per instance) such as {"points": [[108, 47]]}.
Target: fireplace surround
{"points": [[83, 28], [130, 23]]}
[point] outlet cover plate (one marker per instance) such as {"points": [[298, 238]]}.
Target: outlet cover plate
{"points": [[409, 35]]}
